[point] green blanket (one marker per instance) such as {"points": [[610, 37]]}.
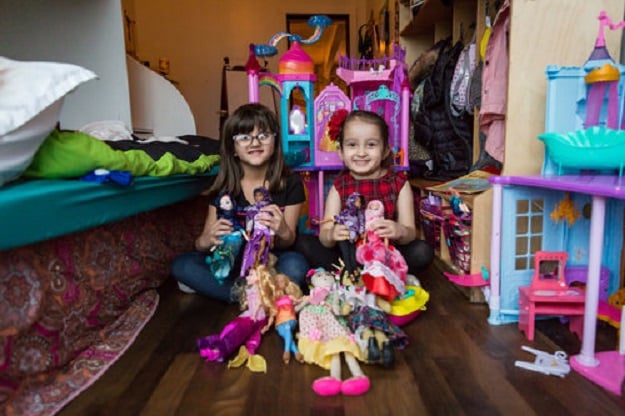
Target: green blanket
{"points": [[68, 154]]}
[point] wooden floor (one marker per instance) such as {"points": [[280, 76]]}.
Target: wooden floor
{"points": [[456, 364]]}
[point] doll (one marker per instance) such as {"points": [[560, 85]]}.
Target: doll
{"points": [[244, 331], [351, 216], [286, 294], [260, 236], [384, 267], [376, 334], [323, 338], [222, 256]]}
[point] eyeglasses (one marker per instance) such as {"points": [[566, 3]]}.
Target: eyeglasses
{"points": [[247, 139]]}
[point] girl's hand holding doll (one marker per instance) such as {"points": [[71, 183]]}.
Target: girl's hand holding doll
{"points": [[277, 223], [340, 232], [274, 219], [213, 235], [387, 229]]}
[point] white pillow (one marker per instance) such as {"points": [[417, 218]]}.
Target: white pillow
{"points": [[31, 98]]}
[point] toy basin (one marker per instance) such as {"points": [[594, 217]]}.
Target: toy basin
{"points": [[406, 308], [592, 148]]}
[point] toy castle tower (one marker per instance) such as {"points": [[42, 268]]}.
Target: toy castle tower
{"points": [[296, 73]]}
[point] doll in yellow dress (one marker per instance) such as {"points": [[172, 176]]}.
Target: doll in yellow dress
{"points": [[323, 338]]}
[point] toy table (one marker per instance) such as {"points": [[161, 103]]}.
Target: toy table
{"points": [[532, 302], [604, 368]]}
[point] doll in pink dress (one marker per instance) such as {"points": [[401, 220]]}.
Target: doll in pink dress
{"points": [[384, 267]]}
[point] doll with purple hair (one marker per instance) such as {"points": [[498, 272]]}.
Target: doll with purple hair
{"points": [[353, 217]]}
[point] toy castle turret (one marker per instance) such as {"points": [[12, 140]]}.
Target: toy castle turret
{"points": [[296, 73]]}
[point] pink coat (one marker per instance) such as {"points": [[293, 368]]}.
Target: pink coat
{"points": [[495, 84]]}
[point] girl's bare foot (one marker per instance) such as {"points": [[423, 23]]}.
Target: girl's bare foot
{"points": [[286, 357], [299, 357]]}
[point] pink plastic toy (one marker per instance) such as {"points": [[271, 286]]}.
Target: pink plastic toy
{"points": [[548, 294]]}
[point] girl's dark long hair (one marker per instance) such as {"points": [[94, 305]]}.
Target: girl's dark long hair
{"points": [[243, 121]]}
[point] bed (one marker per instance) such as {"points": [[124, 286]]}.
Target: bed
{"points": [[81, 253]]}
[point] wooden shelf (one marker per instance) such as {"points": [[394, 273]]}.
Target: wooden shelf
{"points": [[426, 18]]}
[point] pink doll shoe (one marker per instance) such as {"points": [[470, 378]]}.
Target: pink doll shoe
{"points": [[327, 386], [355, 386]]}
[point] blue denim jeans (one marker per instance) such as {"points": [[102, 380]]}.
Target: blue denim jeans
{"points": [[191, 269]]}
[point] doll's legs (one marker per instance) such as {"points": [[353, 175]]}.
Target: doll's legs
{"points": [[354, 386], [330, 386], [260, 256], [359, 383], [373, 348], [286, 330], [388, 352], [379, 347], [418, 254], [348, 252]]}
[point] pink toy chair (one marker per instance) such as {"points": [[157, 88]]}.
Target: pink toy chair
{"points": [[549, 294]]}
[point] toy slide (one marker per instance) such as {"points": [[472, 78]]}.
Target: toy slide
{"points": [[469, 280]]}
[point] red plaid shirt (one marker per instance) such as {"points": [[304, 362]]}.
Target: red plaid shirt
{"points": [[386, 189]]}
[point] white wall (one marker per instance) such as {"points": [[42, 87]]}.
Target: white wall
{"points": [[158, 108], [195, 35], [86, 33]]}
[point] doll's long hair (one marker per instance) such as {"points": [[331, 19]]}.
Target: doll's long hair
{"points": [[266, 288]]}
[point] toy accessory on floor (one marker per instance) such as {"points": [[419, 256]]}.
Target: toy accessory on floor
{"points": [[551, 364]]}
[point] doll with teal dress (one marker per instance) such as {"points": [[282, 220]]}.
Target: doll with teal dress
{"points": [[222, 256]]}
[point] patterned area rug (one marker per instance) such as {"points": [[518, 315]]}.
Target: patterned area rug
{"points": [[46, 394]]}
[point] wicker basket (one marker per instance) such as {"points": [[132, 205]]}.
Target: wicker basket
{"points": [[457, 230], [432, 218]]}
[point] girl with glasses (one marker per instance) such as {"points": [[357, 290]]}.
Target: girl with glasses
{"points": [[251, 157]]}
